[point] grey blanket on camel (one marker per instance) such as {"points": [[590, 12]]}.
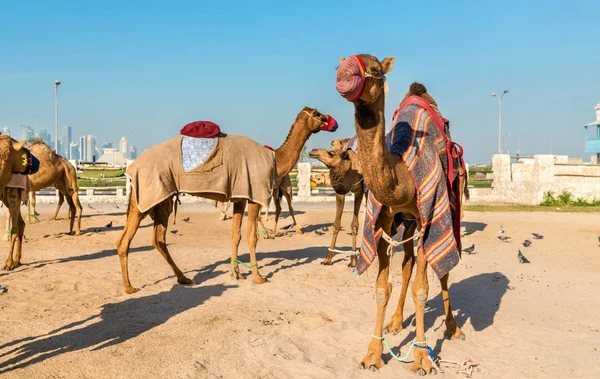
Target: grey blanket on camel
{"points": [[237, 168]]}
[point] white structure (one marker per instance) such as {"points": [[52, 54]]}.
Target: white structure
{"points": [[112, 157], [124, 147], [82, 148], [6, 131], [91, 148], [74, 151]]}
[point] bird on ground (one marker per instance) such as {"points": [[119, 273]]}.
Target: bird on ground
{"points": [[537, 236], [527, 243], [174, 231], [501, 230], [187, 219], [109, 225], [469, 250], [522, 258], [503, 238]]}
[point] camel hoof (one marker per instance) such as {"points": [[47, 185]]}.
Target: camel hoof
{"points": [[78, 233], [259, 280], [373, 368], [327, 263], [131, 290], [299, 231], [457, 335], [421, 372], [185, 281]]}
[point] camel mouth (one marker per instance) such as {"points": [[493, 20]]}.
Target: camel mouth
{"points": [[314, 153]]}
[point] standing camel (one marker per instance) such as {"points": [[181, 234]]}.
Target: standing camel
{"points": [[344, 178], [57, 171], [14, 159], [236, 169], [401, 187]]}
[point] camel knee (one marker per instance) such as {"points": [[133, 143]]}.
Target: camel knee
{"points": [[382, 295], [420, 295]]}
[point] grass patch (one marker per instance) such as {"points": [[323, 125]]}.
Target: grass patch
{"points": [[530, 208], [480, 183], [101, 183], [565, 199], [101, 173]]}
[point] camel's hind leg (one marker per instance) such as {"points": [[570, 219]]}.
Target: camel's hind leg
{"points": [[78, 211], [288, 197], [337, 224], [383, 290], [132, 223], [160, 214], [31, 213], [8, 223], [395, 324], [61, 200], [452, 329], [358, 196], [277, 202], [253, 210], [236, 236]]}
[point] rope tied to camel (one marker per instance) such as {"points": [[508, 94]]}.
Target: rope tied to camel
{"points": [[413, 344], [392, 244], [352, 253], [237, 261]]}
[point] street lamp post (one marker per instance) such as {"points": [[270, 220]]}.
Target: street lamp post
{"points": [[56, 84], [500, 118]]}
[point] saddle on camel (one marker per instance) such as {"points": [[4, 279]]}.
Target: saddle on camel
{"points": [[415, 175], [202, 161]]}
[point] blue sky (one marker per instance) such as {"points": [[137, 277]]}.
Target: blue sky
{"points": [[143, 69]]}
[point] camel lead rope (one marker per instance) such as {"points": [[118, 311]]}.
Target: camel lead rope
{"points": [[391, 245], [413, 344]]}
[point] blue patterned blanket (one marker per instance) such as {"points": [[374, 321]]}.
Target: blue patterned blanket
{"points": [[194, 151]]}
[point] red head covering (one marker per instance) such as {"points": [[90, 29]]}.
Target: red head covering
{"points": [[201, 129]]}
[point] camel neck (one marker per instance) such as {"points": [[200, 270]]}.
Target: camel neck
{"points": [[288, 153]]}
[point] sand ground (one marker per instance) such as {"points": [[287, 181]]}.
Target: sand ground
{"points": [[65, 314]]}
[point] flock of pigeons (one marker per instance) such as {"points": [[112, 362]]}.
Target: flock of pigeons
{"points": [[471, 249]]}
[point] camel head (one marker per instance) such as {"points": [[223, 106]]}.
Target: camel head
{"points": [[362, 77], [315, 121], [338, 144], [418, 89], [17, 157], [331, 158]]}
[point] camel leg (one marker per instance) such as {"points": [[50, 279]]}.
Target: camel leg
{"points": [[288, 197], [31, 215], [357, 201], [161, 214], [452, 329], [420, 289], [236, 237], [277, 201], [78, 211], [8, 223], [72, 213], [12, 202], [132, 223], [337, 224], [395, 324], [253, 210], [383, 290], [61, 200]]}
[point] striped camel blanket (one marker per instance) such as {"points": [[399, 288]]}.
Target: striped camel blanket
{"points": [[421, 136]]}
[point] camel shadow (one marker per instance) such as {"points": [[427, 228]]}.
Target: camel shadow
{"points": [[475, 299], [115, 324], [472, 227]]}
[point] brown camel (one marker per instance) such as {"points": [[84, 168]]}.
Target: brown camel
{"points": [[14, 159], [283, 159], [391, 184], [57, 171], [283, 189], [344, 179]]}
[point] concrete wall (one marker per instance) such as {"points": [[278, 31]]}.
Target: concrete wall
{"points": [[526, 181]]}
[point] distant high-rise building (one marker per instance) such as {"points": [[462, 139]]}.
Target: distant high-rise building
{"points": [[82, 148], [74, 151], [27, 133], [45, 136], [132, 153], [124, 147], [91, 149], [66, 141], [6, 131], [107, 145]]}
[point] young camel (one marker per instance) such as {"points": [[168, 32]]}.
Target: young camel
{"points": [[390, 182], [344, 178], [307, 122], [57, 171], [14, 159]]}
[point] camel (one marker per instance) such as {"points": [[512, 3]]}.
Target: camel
{"points": [[282, 160], [14, 159], [57, 171], [361, 80], [344, 179], [283, 189]]}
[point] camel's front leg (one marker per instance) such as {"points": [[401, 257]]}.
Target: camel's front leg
{"points": [[132, 223], [383, 290], [337, 224], [288, 197], [422, 363], [357, 202], [452, 329], [12, 203], [253, 210], [236, 237], [395, 324]]}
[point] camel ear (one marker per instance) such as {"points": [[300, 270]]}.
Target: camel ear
{"points": [[388, 64], [342, 59], [18, 145], [344, 155]]}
